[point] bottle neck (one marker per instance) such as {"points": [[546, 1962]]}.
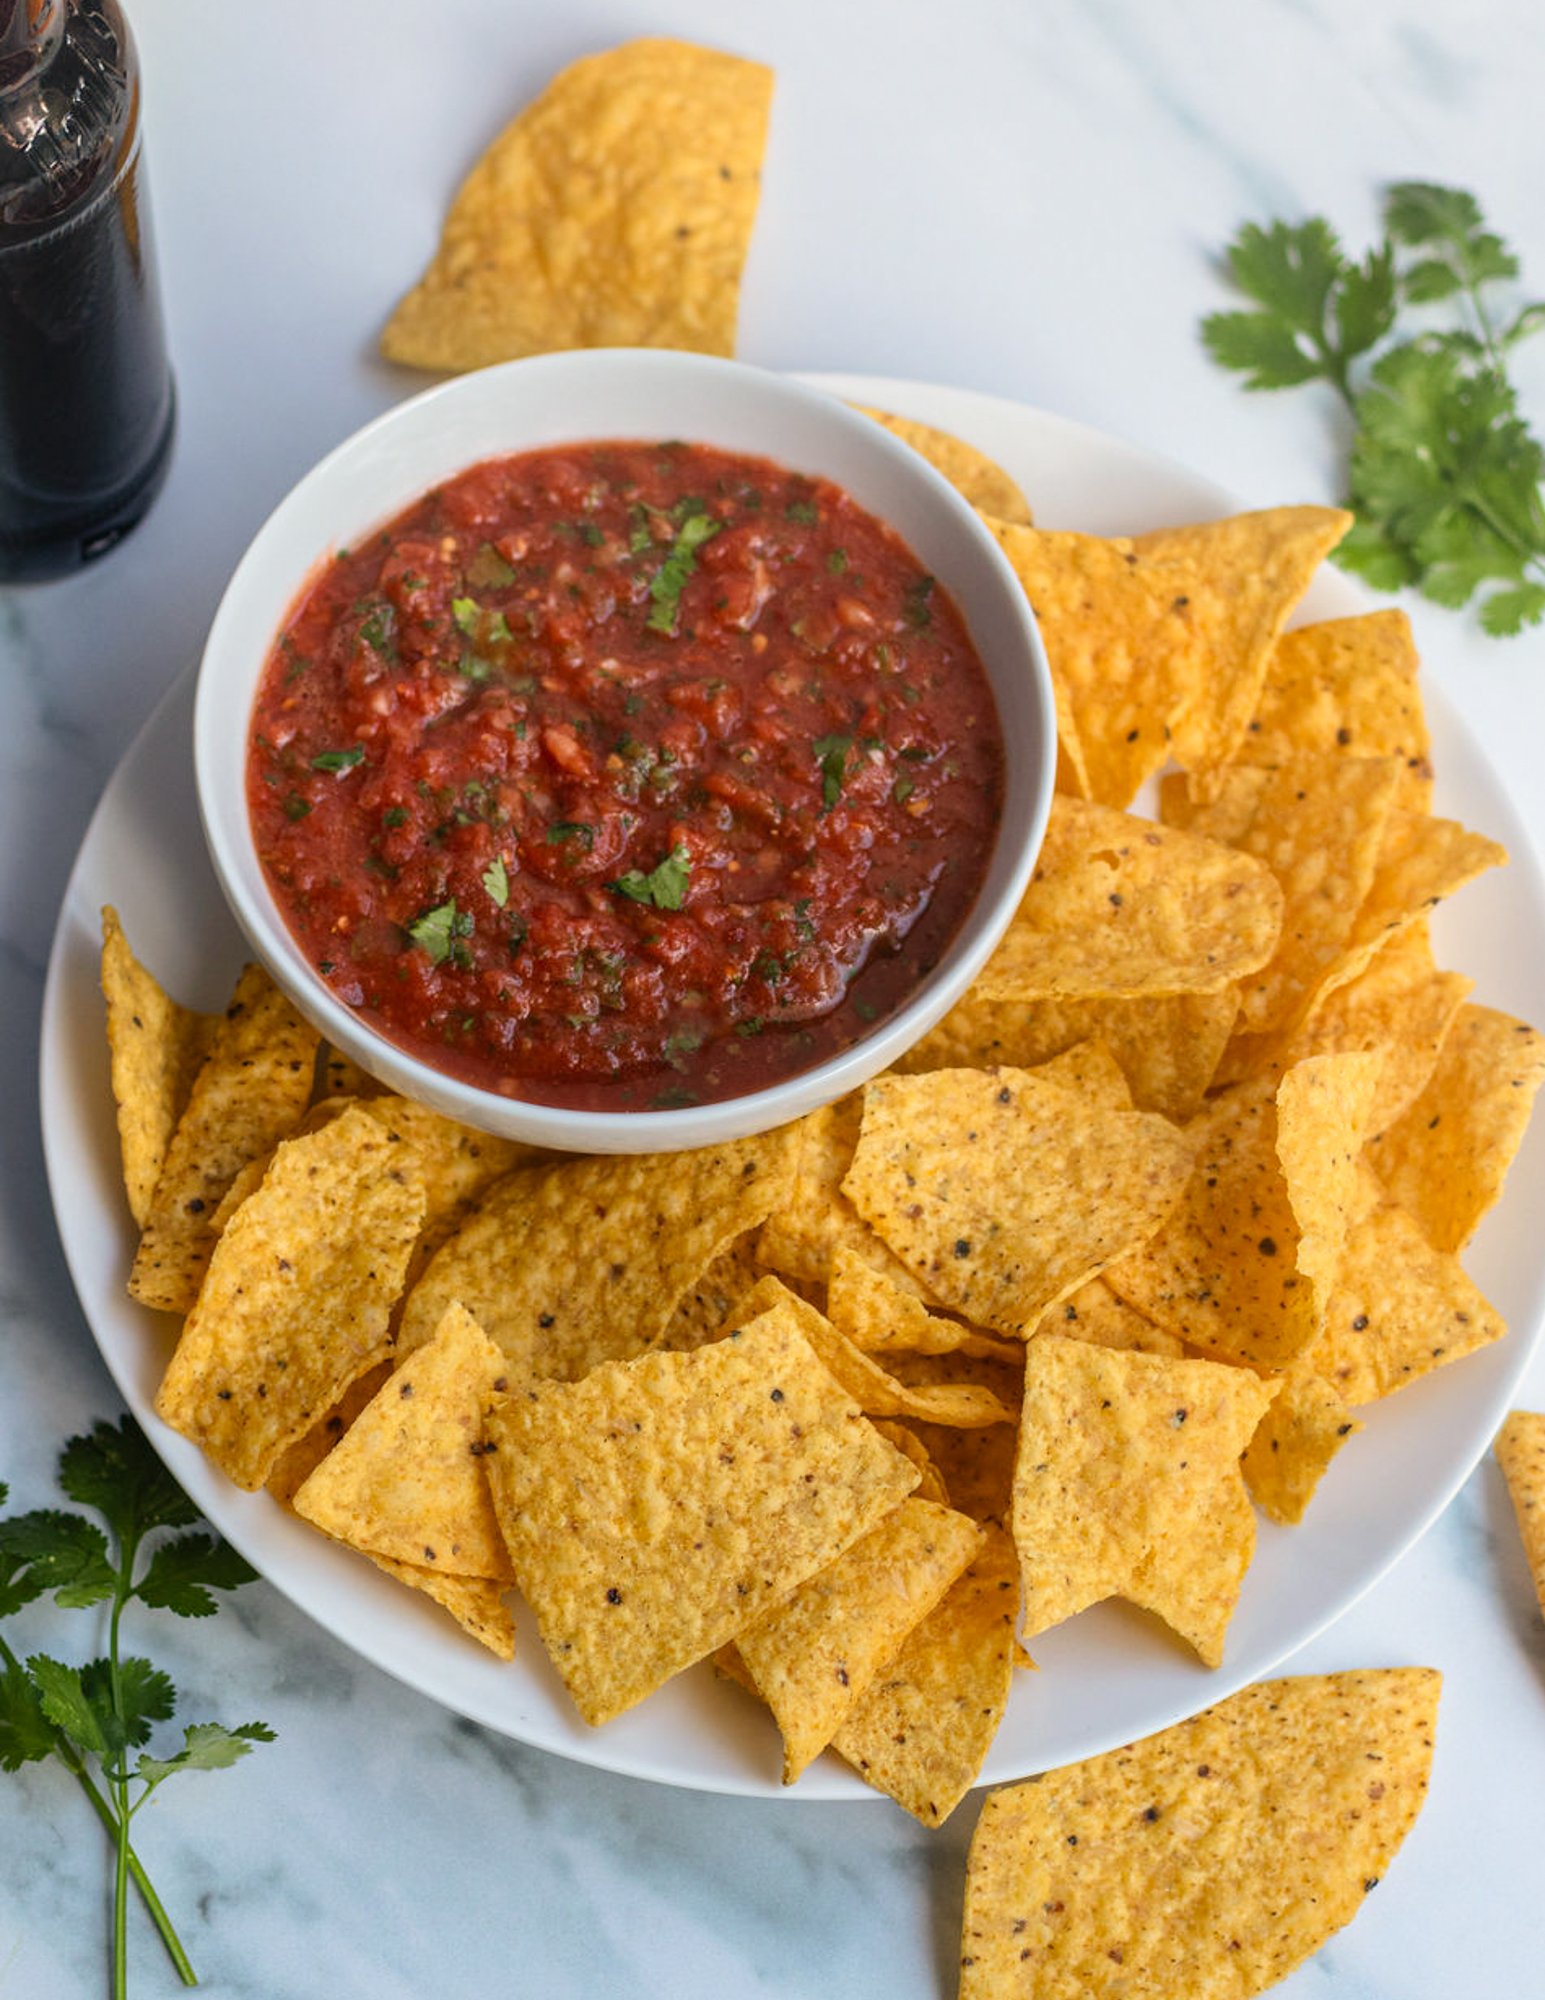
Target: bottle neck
{"points": [[69, 103]]}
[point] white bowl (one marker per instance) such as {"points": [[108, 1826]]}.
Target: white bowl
{"points": [[619, 393]]}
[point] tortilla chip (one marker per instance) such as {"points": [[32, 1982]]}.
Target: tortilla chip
{"points": [[980, 479], [156, 1048], [804, 1232], [930, 1481], [1447, 1158], [881, 1318], [296, 1463], [297, 1300], [1094, 1313], [879, 1394], [569, 1265], [1520, 1449], [1168, 1048], [1246, 574], [1208, 1860], [1294, 1443], [339, 1075], [615, 211], [1346, 688], [923, 1731], [655, 1509], [706, 1306], [1120, 644], [814, 1657], [976, 1466], [1003, 1192], [1128, 1485], [1224, 1271], [476, 1603], [1399, 1308], [249, 1092], [1401, 1004], [1318, 825], [1122, 908], [407, 1481]]}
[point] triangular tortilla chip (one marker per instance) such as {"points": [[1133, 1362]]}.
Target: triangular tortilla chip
{"points": [[1003, 1192], [1248, 571], [814, 1657], [1128, 1485], [806, 1229], [1208, 1860], [1294, 1443], [1520, 1449], [968, 469], [407, 1481], [1122, 908], [1094, 1313], [659, 1506], [476, 1603], [881, 1318], [614, 212]]}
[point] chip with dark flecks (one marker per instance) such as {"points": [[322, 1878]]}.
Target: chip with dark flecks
{"points": [[1207, 1861], [659, 1506], [1307, 1424], [1004, 1192], [1520, 1449]]}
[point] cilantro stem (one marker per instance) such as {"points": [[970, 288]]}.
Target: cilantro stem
{"points": [[118, 1775]]}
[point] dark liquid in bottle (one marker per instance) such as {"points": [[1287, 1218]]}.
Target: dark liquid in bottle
{"points": [[86, 406]]}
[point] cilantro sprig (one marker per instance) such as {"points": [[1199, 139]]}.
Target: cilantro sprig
{"points": [[664, 885], [670, 578], [1444, 473], [92, 1718]]}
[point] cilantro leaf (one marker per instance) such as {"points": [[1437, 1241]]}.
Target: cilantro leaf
{"points": [[671, 577], [1265, 351], [339, 760], [26, 1734], [114, 1470], [665, 885], [64, 1553], [466, 611], [184, 1572], [206, 1746], [67, 1703], [496, 880], [440, 932], [571, 829], [831, 753], [1289, 270], [146, 1693]]}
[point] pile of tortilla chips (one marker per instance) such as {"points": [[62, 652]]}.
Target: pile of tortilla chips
{"points": [[1039, 1318]]}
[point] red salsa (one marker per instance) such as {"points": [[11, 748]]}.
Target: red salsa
{"points": [[625, 775]]}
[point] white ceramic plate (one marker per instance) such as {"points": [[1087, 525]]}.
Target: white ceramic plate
{"points": [[1108, 1676]]}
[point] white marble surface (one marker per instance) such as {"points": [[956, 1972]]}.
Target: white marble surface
{"points": [[1013, 195]]}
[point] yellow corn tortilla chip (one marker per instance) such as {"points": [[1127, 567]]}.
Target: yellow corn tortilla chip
{"points": [[1318, 824], [816, 1655], [930, 1481], [1168, 1047], [568, 1265], [1120, 643], [407, 1481], [1294, 1443], [707, 1305], [1207, 1861], [923, 1731], [968, 469], [1400, 1308], [1094, 1313], [615, 211], [1224, 1271], [804, 1232], [249, 1092], [881, 1318], [339, 1075], [1122, 908], [659, 1506], [297, 1300], [1346, 688], [1520, 1449], [976, 1466], [1003, 1192], [296, 1463], [1128, 1485], [1447, 1158], [1247, 572], [1421, 861], [476, 1603], [1401, 1004], [156, 1047], [878, 1393]]}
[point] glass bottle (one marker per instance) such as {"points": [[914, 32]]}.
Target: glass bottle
{"points": [[86, 402]]}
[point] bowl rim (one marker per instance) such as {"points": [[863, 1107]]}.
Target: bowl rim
{"points": [[231, 666]]}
